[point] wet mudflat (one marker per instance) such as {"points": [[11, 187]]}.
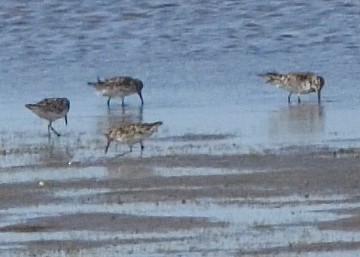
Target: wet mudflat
{"points": [[282, 204]]}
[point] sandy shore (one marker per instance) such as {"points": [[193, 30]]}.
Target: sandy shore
{"points": [[283, 204]]}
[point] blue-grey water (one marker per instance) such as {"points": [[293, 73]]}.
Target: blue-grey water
{"points": [[199, 62]]}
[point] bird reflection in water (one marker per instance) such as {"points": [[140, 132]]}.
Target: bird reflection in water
{"points": [[302, 119], [54, 153], [118, 116]]}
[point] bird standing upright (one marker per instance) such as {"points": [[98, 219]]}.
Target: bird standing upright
{"points": [[51, 109], [296, 82], [119, 87]]}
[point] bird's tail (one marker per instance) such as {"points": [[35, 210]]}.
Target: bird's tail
{"points": [[152, 127], [273, 77], [30, 106], [156, 124], [99, 81]]}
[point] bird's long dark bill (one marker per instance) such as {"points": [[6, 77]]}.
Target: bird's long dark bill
{"points": [[319, 96], [66, 120], [141, 98]]}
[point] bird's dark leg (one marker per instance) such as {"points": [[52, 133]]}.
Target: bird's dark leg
{"points": [[141, 98], [289, 97], [108, 102], [122, 101], [107, 145], [299, 100], [142, 148], [141, 111], [49, 126], [53, 130], [319, 97]]}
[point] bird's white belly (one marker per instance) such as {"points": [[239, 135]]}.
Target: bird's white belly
{"points": [[303, 88], [51, 116], [115, 93]]}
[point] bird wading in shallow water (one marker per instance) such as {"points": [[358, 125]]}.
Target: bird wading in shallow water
{"points": [[296, 82], [51, 109], [131, 134], [119, 87]]}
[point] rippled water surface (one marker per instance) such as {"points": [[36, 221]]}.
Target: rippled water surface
{"points": [[199, 62]]}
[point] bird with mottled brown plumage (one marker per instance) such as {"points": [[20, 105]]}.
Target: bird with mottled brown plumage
{"points": [[131, 134], [51, 109], [296, 82], [120, 86]]}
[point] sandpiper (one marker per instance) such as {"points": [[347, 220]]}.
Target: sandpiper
{"points": [[131, 134], [296, 82], [118, 87], [51, 109]]}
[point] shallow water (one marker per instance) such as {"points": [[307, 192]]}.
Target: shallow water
{"points": [[199, 64]]}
